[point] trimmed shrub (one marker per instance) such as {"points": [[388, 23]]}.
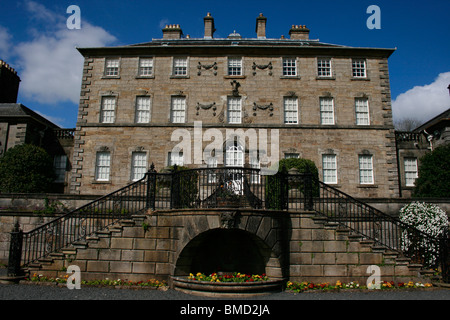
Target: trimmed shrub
{"points": [[276, 190], [26, 169], [434, 174]]}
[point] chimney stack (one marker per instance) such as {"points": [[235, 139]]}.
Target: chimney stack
{"points": [[209, 26], [9, 83], [299, 32], [261, 26], [172, 31]]}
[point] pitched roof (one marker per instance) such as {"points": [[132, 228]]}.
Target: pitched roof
{"points": [[18, 110]]}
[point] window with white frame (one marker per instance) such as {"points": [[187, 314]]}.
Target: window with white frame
{"points": [[112, 67], [291, 155], [60, 166], [180, 66], [411, 171], [290, 110], [234, 110], [178, 110], [326, 110], [146, 67], [138, 165], [255, 177], [176, 158], [143, 105], [359, 68], [108, 109], [211, 162], [324, 67], [365, 169], [362, 111], [102, 166], [329, 168], [289, 67], [235, 66], [234, 155]]}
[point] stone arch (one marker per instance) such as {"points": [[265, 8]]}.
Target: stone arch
{"points": [[228, 250]]}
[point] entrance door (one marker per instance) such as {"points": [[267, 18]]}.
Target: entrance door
{"points": [[234, 157]]}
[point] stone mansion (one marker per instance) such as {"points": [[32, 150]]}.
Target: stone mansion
{"points": [[329, 103]]}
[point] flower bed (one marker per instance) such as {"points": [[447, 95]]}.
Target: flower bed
{"points": [[308, 286], [234, 277], [105, 282], [227, 284]]}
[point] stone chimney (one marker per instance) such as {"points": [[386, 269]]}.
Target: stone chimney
{"points": [[172, 31], [9, 83], [299, 32], [261, 26], [209, 26]]}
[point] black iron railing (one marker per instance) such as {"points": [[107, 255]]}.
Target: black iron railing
{"points": [[385, 230], [224, 188], [77, 225]]}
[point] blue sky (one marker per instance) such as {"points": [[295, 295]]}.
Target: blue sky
{"points": [[34, 40]]}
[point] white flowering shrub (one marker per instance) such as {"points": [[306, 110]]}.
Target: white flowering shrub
{"points": [[429, 219]]}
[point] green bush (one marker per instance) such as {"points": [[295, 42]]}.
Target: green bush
{"points": [[277, 189], [434, 174], [184, 186], [26, 169]]}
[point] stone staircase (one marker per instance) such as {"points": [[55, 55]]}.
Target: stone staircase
{"points": [[406, 269], [129, 250]]}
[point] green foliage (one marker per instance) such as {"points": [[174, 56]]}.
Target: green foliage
{"points": [[184, 186], [434, 174], [302, 165], [26, 169], [277, 188]]}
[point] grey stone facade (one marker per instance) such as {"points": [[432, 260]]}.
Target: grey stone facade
{"points": [[322, 72]]}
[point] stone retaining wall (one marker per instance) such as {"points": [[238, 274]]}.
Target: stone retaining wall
{"points": [[296, 246]]}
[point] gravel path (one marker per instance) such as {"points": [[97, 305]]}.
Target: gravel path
{"points": [[28, 298], [61, 292]]}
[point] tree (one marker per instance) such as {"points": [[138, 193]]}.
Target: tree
{"points": [[276, 190], [406, 124], [26, 169], [434, 174]]}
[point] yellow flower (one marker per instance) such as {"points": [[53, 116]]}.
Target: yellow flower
{"points": [[428, 285]]}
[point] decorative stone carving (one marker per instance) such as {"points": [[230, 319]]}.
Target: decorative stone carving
{"points": [[263, 107], [262, 67], [206, 107], [235, 90], [229, 219], [207, 67]]}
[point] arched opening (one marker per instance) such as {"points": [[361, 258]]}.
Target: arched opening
{"points": [[224, 250]]}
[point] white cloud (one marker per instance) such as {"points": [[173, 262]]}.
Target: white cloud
{"points": [[5, 43], [423, 102], [50, 66]]}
